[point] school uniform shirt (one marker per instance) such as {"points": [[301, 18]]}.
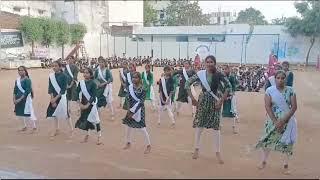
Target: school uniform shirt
{"points": [[170, 88]]}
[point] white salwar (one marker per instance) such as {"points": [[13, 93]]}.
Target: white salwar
{"points": [[167, 107]]}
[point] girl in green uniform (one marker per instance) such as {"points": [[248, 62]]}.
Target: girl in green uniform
{"points": [[132, 69], [185, 73], [229, 106], [123, 79], [58, 106], [22, 99], [135, 117], [89, 118], [166, 91], [103, 77], [71, 72], [280, 129], [215, 89], [147, 77]]}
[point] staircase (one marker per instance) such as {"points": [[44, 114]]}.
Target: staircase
{"points": [[83, 51]]}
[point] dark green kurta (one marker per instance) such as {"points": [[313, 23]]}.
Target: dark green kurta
{"points": [[141, 94], [226, 112], [72, 91], [83, 122], [207, 116], [125, 104], [102, 100], [147, 86], [183, 94], [62, 82], [170, 89], [122, 92], [19, 108]]}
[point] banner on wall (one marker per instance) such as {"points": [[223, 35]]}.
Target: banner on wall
{"points": [[11, 39]]}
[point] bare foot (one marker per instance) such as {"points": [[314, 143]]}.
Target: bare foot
{"points": [[99, 142], [128, 145], [195, 154], [148, 149], [23, 129], [286, 170], [219, 158], [262, 165], [235, 131], [33, 130], [85, 139], [55, 133]]}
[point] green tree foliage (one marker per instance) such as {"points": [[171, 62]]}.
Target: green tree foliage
{"points": [[32, 30], [185, 13], [63, 35], [77, 32], [49, 31], [149, 14], [251, 16], [279, 21], [307, 25]]}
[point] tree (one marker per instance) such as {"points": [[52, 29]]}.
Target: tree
{"points": [[50, 31], [308, 25], [149, 14], [63, 35], [185, 13], [77, 32], [251, 16], [279, 21], [32, 30]]}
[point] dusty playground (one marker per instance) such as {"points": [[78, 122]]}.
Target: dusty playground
{"points": [[171, 155]]}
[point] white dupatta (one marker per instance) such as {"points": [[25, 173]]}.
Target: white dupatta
{"points": [[93, 116], [123, 78], [122, 75], [290, 134], [129, 78], [203, 78], [164, 87], [108, 89], [151, 86], [28, 108], [61, 111], [69, 70], [137, 115], [187, 78]]}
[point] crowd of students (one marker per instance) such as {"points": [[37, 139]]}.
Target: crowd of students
{"points": [[217, 98]]}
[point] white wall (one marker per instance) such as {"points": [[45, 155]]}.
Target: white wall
{"points": [[33, 5], [258, 49], [130, 11]]}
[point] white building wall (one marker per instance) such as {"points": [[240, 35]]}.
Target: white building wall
{"points": [[34, 7], [129, 11], [231, 51]]}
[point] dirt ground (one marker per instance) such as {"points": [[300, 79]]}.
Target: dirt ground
{"points": [[171, 155]]}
